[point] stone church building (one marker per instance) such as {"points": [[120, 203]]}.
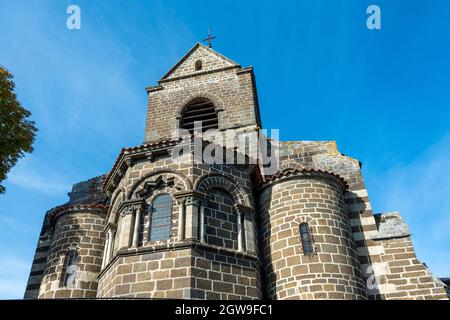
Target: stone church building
{"points": [[157, 227]]}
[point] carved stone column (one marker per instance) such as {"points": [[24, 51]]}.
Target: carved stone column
{"points": [[192, 200], [240, 231], [109, 243], [203, 204], [112, 234], [137, 221], [181, 219], [246, 229], [249, 227], [192, 205], [127, 228], [105, 249]]}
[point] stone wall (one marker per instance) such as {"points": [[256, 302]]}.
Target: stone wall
{"points": [[39, 260], [221, 210], [333, 271], [79, 230], [87, 195], [222, 274], [405, 277], [181, 272], [215, 263], [446, 282], [162, 274], [221, 221], [231, 89], [324, 155]]}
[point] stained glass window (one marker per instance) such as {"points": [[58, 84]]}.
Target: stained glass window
{"points": [[160, 218]]}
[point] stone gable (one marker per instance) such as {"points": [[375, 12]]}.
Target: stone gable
{"points": [[210, 61]]}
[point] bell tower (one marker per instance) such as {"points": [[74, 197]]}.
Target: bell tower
{"points": [[213, 87]]}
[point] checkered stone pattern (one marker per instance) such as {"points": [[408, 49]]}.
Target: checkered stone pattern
{"points": [[405, 277], [333, 271], [40, 259], [80, 231], [324, 155]]}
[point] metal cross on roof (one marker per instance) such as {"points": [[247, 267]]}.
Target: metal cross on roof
{"points": [[209, 38]]}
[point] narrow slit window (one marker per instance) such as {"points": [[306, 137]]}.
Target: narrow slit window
{"points": [[306, 238], [160, 218], [70, 269]]}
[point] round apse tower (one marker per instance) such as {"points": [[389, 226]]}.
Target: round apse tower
{"points": [[75, 253], [308, 248]]}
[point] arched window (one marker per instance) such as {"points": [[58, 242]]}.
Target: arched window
{"points": [[70, 269], [160, 218], [198, 65], [306, 238], [202, 110]]}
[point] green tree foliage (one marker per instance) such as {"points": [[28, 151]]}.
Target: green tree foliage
{"points": [[17, 132]]}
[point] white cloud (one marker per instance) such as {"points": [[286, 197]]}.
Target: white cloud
{"points": [[42, 180]]}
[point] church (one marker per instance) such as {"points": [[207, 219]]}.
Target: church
{"points": [[300, 226]]}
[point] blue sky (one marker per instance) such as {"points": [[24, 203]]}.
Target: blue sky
{"points": [[321, 75]]}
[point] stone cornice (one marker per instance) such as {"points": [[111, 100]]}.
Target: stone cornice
{"points": [[191, 193], [93, 207], [128, 156], [302, 172], [154, 88], [197, 74], [185, 244], [129, 205], [245, 70], [191, 196], [244, 209]]}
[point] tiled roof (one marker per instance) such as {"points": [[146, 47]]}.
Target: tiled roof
{"points": [[133, 149], [85, 206], [145, 147], [292, 171]]}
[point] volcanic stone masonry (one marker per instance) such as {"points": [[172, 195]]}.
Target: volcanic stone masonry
{"points": [[160, 227]]}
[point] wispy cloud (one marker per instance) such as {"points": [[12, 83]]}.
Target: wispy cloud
{"points": [[420, 191], [42, 180]]}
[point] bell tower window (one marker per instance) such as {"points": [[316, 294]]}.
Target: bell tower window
{"points": [[202, 110]]}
